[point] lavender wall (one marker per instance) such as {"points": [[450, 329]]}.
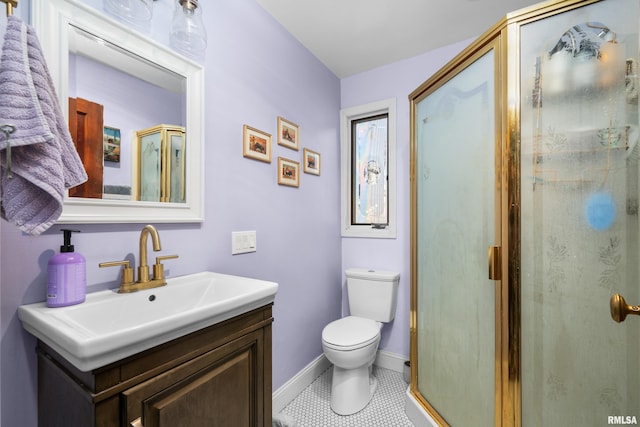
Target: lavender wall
{"points": [[147, 105], [396, 80], [255, 71]]}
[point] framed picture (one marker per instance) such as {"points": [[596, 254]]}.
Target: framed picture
{"points": [[288, 172], [111, 144], [311, 162], [256, 144], [288, 134]]}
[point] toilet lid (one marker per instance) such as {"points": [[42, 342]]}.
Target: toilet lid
{"points": [[350, 331]]}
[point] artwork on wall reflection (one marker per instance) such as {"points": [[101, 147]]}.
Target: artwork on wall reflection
{"points": [[256, 144], [288, 134], [311, 162], [288, 172], [111, 144]]}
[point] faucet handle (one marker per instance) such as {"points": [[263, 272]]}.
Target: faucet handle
{"points": [[158, 268], [127, 271]]}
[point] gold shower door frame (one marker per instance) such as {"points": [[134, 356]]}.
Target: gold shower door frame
{"points": [[504, 39], [491, 41]]}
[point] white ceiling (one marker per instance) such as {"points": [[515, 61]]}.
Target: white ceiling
{"points": [[351, 36]]}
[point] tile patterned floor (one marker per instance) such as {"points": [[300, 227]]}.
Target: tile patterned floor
{"points": [[312, 409]]}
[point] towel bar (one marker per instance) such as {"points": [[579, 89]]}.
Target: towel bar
{"points": [[10, 5], [9, 129]]}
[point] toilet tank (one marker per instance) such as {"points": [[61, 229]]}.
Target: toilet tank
{"points": [[372, 293]]}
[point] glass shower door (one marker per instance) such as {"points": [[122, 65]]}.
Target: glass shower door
{"points": [[579, 216], [455, 179]]}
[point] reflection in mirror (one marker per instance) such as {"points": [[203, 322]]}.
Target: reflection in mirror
{"points": [[106, 114], [160, 171], [116, 84]]}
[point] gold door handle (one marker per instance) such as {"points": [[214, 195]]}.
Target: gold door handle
{"points": [[620, 308], [495, 262]]}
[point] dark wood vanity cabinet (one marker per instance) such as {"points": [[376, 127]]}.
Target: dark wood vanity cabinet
{"points": [[218, 376]]}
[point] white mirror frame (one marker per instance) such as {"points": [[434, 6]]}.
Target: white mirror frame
{"points": [[51, 19]]}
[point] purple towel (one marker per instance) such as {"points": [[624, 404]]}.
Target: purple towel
{"points": [[44, 159]]}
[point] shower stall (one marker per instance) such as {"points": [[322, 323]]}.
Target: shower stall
{"points": [[525, 198]]}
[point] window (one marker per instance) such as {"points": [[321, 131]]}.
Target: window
{"points": [[368, 170]]}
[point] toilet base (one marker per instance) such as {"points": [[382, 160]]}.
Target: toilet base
{"points": [[352, 389]]}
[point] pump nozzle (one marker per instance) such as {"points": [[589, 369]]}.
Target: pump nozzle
{"points": [[68, 247]]}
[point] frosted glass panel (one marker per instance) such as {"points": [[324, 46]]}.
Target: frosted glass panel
{"points": [[579, 191], [150, 154], [176, 165], [455, 179]]}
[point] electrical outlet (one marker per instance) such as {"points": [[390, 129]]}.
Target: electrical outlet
{"points": [[243, 242]]}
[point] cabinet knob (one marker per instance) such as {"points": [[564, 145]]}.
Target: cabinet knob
{"points": [[136, 423]]}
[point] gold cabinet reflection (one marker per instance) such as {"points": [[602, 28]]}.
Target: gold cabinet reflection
{"points": [[161, 164]]}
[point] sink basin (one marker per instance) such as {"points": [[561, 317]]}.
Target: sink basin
{"points": [[109, 326]]}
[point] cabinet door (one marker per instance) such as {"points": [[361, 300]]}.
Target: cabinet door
{"points": [[220, 388]]}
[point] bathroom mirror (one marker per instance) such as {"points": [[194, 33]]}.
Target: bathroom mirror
{"points": [[76, 40]]}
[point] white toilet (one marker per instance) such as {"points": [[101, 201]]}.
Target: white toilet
{"points": [[351, 343]]}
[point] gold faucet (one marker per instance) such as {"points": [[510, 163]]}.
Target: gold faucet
{"points": [[144, 282], [143, 268]]}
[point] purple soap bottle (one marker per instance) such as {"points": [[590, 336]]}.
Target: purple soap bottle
{"points": [[66, 275]]}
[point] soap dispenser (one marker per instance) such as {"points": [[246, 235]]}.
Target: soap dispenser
{"points": [[66, 275]]}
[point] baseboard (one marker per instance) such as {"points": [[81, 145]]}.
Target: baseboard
{"points": [[392, 361], [416, 414], [292, 388]]}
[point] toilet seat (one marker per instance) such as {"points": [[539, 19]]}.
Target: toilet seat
{"points": [[351, 333]]}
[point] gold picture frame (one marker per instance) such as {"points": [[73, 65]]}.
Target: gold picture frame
{"points": [[256, 144], [311, 162], [288, 172], [288, 134]]}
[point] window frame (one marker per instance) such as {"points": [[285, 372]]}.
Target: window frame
{"points": [[347, 116]]}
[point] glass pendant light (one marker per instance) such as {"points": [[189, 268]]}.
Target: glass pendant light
{"points": [[188, 34], [134, 11]]}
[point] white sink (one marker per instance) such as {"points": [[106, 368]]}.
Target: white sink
{"points": [[109, 326]]}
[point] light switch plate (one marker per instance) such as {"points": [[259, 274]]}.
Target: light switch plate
{"points": [[243, 242]]}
